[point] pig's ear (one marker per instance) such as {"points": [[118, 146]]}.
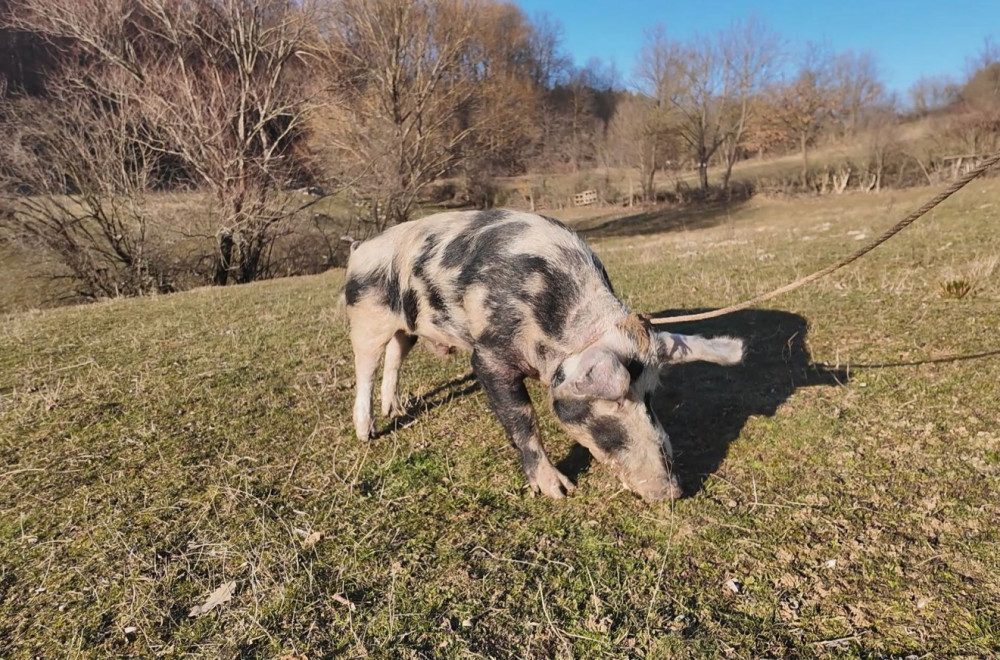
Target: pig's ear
{"points": [[597, 373], [676, 349]]}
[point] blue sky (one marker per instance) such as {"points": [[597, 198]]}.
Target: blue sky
{"points": [[909, 38]]}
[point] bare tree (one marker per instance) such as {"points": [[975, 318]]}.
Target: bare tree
{"points": [[690, 81], [549, 63], [973, 125], [988, 53], [882, 145], [505, 115], [77, 172], [752, 52], [405, 81], [805, 103], [581, 133], [583, 107], [215, 81], [640, 137], [702, 99], [982, 91], [931, 93], [647, 121], [856, 78]]}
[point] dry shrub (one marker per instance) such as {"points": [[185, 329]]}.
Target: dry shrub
{"points": [[77, 178], [959, 282]]}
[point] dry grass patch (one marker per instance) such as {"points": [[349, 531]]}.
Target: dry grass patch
{"points": [[841, 486]]}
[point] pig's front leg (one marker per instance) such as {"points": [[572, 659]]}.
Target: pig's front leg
{"points": [[510, 402]]}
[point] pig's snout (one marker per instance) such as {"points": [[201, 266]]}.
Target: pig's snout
{"points": [[655, 489]]}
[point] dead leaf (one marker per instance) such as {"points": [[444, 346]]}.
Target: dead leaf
{"points": [[733, 586], [343, 601], [312, 539], [221, 595], [858, 617]]}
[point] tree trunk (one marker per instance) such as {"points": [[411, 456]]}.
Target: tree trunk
{"points": [[803, 142], [703, 175], [251, 259], [224, 259], [647, 185], [728, 172]]}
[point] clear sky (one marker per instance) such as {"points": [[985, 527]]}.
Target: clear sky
{"points": [[909, 38]]}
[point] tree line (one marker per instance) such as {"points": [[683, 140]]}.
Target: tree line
{"points": [[106, 103]]}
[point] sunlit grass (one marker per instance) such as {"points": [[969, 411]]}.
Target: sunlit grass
{"points": [[841, 486]]}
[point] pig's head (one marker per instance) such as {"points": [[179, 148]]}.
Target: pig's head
{"points": [[604, 394]]}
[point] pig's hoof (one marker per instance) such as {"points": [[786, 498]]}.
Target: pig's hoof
{"points": [[553, 483], [365, 431], [393, 407]]}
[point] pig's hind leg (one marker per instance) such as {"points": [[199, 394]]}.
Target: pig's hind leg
{"points": [[397, 350], [368, 339]]}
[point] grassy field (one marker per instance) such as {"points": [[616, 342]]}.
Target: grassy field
{"points": [[841, 487]]}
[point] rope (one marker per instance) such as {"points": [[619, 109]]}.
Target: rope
{"points": [[889, 233]]}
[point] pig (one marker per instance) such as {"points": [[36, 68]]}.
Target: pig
{"points": [[529, 299]]}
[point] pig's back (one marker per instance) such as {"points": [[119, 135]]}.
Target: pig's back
{"points": [[479, 277]]}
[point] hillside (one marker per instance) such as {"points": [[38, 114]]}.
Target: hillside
{"points": [[841, 486]]}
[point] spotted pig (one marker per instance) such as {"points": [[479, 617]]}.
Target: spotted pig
{"points": [[529, 299]]}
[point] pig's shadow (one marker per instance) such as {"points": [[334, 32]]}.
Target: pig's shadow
{"points": [[456, 388], [703, 407]]}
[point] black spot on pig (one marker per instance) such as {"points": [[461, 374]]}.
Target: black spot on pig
{"points": [[557, 223], [604, 274], [513, 278], [393, 296], [609, 434], [360, 285], [490, 216], [425, 255], [411, 308], [354, 290], [436, 299], [459, 250], [558, 377], [529, 462], [478, 253], [500, 335], [558, 294], [584, 258], [510, 402], [635, 369], [432, 291], [571, 411], [521, 423]]}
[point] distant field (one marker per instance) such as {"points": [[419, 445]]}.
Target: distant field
{"points": [[841, 486], [181, 235], [182, 222], [555, 190]]}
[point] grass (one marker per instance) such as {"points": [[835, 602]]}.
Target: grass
{"points": [[841, 486]]}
